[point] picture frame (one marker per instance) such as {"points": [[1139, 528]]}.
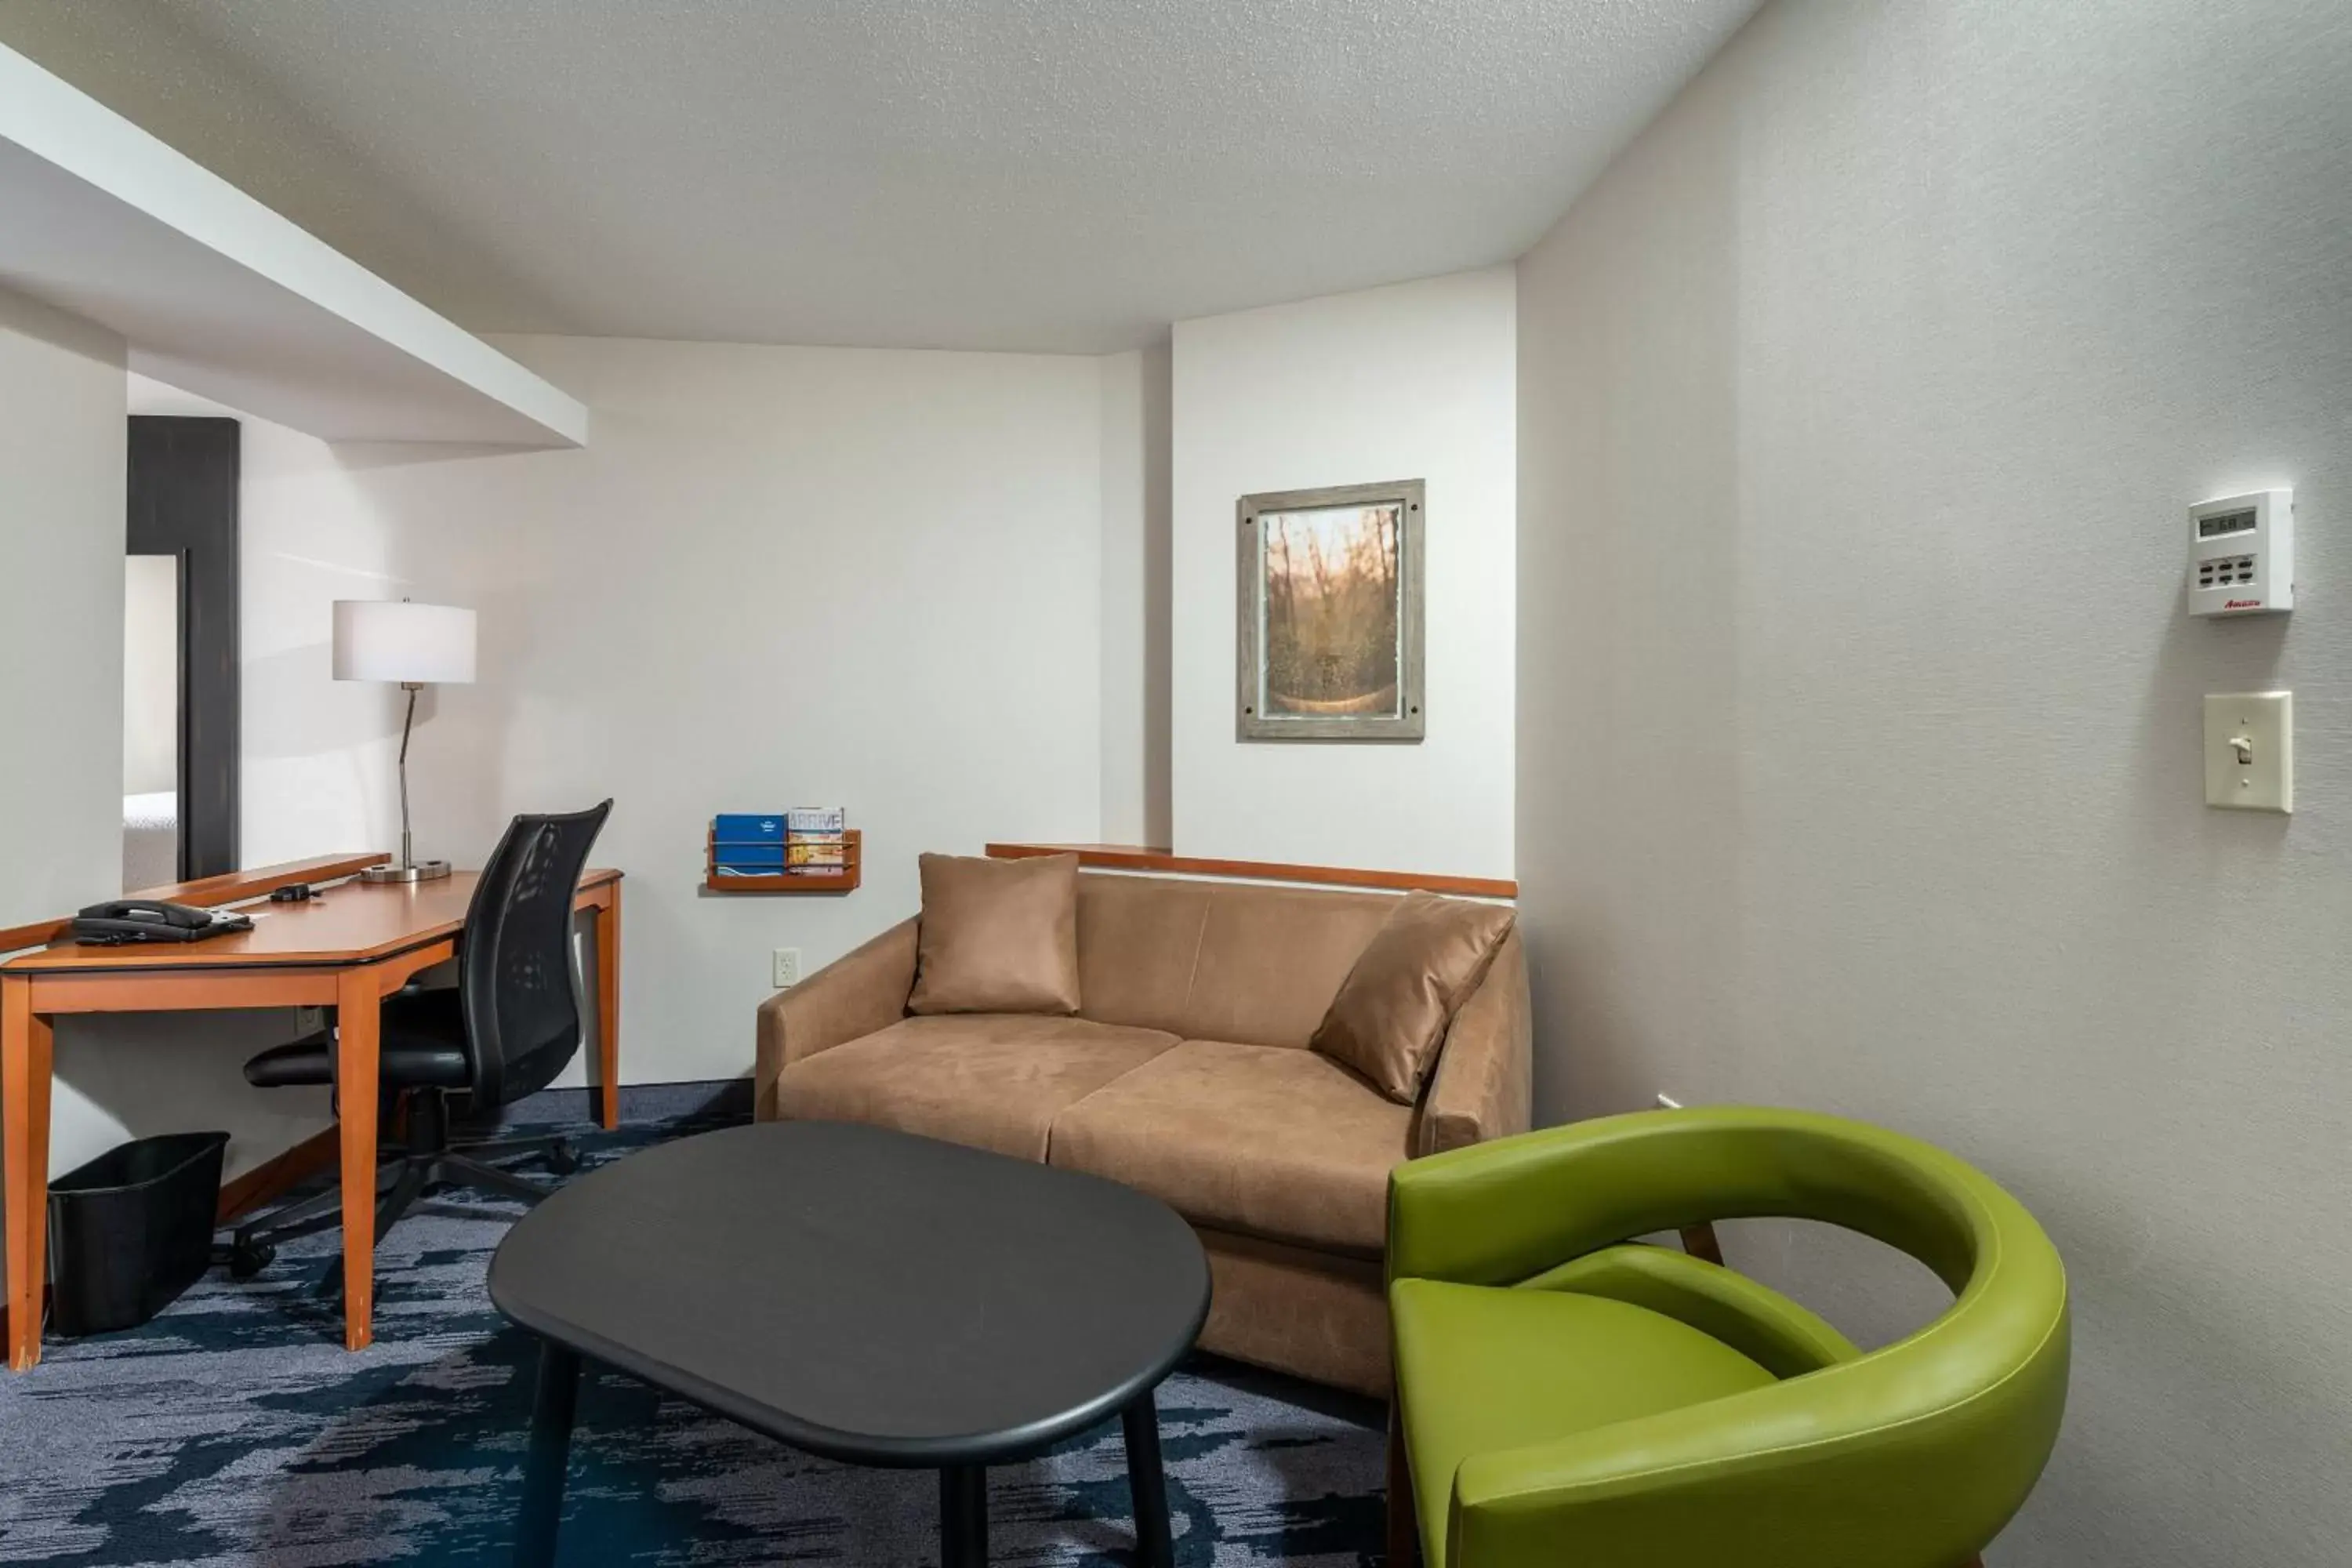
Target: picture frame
{"points": [[1330, 614]]}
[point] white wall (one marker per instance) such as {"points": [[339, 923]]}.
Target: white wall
{"points": [[1135, 764], [63, 436], [63, 441], [1409, 382], [933, 588], [1861, 404], [779, 576]]}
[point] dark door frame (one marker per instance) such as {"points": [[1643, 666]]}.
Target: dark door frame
{"points": [[182, 493]]}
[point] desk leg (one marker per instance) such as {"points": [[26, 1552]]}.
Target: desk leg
{"points": [[25, 1051], [608, 1005], [359, 1006]]}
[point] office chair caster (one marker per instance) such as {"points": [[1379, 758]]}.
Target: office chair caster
{"points": [[563, 1157], [247, 1258]]}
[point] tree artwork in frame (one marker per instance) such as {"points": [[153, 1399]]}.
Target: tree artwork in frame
{"points": [[1330, 614]]}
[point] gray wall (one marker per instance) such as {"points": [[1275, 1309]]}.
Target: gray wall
{"points": [[1135, 605], [1858, 767], [63, 439], [62, 443]]}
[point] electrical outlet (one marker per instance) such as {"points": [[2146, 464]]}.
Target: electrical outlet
{"points": [[787, 967], [309, 1020], [1668, 1102]]}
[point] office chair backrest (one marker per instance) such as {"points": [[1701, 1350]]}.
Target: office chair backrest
{"points": [[514, 969]]}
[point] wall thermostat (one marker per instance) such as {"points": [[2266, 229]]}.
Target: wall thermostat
{"points": [[2241, 554]]}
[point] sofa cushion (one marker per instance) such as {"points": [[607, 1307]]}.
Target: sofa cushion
{"points": [[1138, 941], [1269, 1141], [997, 936], [990, 1081], [1271, 959], [1392, 1012]]}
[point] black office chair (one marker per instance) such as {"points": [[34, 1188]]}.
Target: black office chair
{"points": [[510, 1026]]}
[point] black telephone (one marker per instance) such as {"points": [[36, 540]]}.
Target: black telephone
{"points": [[150, 920]]}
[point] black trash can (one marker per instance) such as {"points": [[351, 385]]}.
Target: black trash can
{"points": [[130, 1230]]}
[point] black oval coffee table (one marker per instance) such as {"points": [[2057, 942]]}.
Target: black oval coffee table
{"points": [[866, 1295]]}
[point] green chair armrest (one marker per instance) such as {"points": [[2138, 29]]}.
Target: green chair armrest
{"points": [[1494, 1213], [1761, 1323]]}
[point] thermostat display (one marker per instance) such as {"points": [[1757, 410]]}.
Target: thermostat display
{"points": [[2241, 554]]}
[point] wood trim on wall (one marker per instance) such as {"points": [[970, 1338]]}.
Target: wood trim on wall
{"points": [[1140, 857], [233, 886], [208, 892], [277, 1176], [40, 933]]}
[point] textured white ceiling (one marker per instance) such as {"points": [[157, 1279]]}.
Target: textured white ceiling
{"points": [[1045, 175]]}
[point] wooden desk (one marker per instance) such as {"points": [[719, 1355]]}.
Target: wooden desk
{"points": [[349, 949]]}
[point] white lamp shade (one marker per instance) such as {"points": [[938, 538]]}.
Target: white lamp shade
{"points": [[379, 639]]}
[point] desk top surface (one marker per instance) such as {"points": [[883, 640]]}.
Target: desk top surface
{"points": [[349, 922]]}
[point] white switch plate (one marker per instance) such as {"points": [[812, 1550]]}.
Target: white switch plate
{"points": [[2250, 750], [788, 967]]}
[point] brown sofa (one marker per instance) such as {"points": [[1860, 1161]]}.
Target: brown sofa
{"points": [[1185, 1073]]}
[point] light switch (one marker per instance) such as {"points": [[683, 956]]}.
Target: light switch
{"points": [[2250, 750]]}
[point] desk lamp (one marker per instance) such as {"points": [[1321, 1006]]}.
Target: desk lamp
{"points": [[415, 644]]}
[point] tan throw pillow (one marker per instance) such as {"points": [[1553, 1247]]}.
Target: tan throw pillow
{"points": [[1390, 1016], [997, 936]]}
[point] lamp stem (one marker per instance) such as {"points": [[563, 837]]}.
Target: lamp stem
{"points": [[406, 869], [407, 859]]}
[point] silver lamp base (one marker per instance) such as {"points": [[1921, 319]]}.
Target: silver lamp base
{"points": [[417, 871]]}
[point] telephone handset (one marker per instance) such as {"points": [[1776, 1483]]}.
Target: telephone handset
{"points": [[122, 921]]}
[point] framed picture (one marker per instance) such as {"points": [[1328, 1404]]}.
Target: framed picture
{"points": [[1330, 614]]}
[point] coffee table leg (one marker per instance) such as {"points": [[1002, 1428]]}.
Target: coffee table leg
{"points": [[1147, 1483], [551, 1451], [963, 1516]]}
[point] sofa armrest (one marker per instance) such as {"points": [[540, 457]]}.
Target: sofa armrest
{"points": [[1484, 1084], [860, 992]]}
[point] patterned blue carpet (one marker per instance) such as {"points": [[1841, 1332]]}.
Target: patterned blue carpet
{"points": [[234, 1430]]}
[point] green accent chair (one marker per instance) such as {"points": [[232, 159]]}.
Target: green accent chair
{"points": [[1571, 1399]]}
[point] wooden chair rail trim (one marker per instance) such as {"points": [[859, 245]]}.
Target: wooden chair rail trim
{"points": [[230, 887], [39, 934], [207, 892], [1140, 857], [278, 1174]]}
